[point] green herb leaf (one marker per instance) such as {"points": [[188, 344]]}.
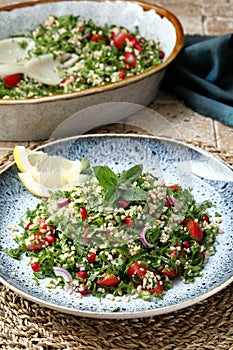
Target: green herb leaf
{"points": [[132, 174], [134, 194], [111, 195], [15, 253], [106, 177]]}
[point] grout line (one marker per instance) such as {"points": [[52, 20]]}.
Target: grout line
{"points": [[215, 134]]}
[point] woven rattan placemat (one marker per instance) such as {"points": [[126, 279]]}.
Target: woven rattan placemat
{"points": [[205, 325]]}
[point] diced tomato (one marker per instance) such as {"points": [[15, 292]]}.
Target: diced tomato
{"points": [[205, 218], [82, 274], [83, 213], [97, 37], [128, 221], [26, 228], [35, 266], [195, 230], [138, 47], [185, 244], [121, 75], [91, 257], [12, 80], [169, 272], [173, 254], [120, 39], [108, 281], [82, 289], [89, 36], [43, 225], [130, 60], [50, 239], [136, 269], [173, 187], [158, 289], [35, 246]]}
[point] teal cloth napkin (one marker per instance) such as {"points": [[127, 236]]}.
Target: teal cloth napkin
{"points": [[202, 75]]}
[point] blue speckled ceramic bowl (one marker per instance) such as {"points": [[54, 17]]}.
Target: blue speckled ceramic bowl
{"points": [[173, 161]]}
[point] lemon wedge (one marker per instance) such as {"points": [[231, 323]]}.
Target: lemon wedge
{"points": [[34, 161], [42, 173], [42, 184]]}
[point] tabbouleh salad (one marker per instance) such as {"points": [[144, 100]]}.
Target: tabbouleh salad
{"points": [[90, 56], [118, 234]]}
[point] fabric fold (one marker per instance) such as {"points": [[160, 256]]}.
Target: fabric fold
{"points": [[202, 75]]}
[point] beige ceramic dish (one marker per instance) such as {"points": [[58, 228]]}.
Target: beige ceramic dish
{"points": [[27, 120]]}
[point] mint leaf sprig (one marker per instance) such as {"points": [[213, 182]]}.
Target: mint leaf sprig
{"points": [[120, 185]]}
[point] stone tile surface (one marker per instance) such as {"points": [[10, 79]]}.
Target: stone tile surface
{"points": [[223, 8], [187, 11], [224, 137], [187, 124]]}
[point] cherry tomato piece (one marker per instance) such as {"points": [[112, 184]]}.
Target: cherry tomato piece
{"points": [[83, 213], [12, 80], [138, 47], [91, 257], [136, 269], [128, 221], [169, 272], [173, 187], [205, 218], [120, 39], [130, 60], [108, 281], [50, 239], [195, 230], [27, 227], [82, 289], [35, 266], [121, 75], [97, 37], [158, 289], [82, 274], [35, 246]]}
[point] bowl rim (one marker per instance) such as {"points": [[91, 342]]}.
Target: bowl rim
{"points": [[161, 11]]}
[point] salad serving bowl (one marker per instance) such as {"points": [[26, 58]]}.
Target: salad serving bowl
{"points": [[36, 118]]}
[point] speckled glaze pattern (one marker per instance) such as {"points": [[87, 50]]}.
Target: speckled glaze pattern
{"points": [[172, 161], [33, 120]]}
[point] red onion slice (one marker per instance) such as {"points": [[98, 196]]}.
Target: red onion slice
{"points": [[173, 201], [70, 288], [60, 272], [63, 202], [143, 238]]}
